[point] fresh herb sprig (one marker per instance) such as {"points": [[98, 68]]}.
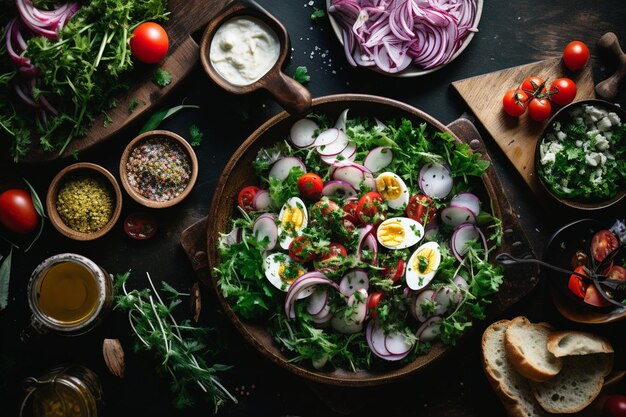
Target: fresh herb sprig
{"points": [[181, 348]]}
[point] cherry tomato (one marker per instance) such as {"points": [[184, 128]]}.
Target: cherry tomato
{"points": [[310, 186], [421, 209], [149, 43], [372, 302], [325, 207], [617, 273], [575, 55], [531, 86], [351, 212], [576, 284], [394, 272], [539, 109], [602, 243], [563, 91], [246, 197], [369, 208], [140, 225], [17, 212], [334, 250], [301, 249], [614, 406], [515, 102]]}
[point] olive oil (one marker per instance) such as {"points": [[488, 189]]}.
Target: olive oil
{"points": [[68, 293]]}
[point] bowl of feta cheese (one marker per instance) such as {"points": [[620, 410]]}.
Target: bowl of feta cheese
{"points": [[580, 157]]}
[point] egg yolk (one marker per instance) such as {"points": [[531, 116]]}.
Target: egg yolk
{"points": [[289, 272], [391, 234], [424, 261], [293, 217], [389, 187]]}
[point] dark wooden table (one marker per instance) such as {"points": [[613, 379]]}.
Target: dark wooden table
{"points": [[511, 33]]}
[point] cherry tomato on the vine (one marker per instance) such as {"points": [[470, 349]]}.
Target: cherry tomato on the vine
{"points": [[539, 109], [17, 211], [531, 85], [563, 91], [149, 43], [515, 102], [310, 186], [575, 55]]}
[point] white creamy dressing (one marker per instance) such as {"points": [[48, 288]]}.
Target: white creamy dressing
{"points": [[243, 49]]}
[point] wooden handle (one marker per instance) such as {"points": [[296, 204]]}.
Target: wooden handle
{"points": [[289, 93], [609, 44]]}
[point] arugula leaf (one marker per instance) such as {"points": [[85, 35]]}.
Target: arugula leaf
{"points": [[317, 14], [161, 77], [302, 75], [196, 135], [155, 120], [5, 276]]}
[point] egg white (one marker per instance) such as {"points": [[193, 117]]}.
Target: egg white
{"points": [[416, 280], [413, 232]]}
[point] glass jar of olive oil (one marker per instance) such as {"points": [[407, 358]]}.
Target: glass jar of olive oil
{"points": [[64, 391]]}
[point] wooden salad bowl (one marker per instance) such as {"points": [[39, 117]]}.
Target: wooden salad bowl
{"points": [[239, 173]]}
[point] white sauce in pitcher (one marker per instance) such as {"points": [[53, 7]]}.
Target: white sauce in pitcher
{"points": [[243, 49]]}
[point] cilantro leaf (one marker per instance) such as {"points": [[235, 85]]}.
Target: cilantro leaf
{"points": [[196, 135], [302, 75], [161, 77], [317, 14]]}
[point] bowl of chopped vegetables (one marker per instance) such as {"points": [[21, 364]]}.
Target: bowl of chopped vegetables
{"points": [[352, 246], [580, 156], [84, 201]]}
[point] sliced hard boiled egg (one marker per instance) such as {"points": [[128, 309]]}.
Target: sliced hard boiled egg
{"points": [[293, 218], [393, 189], [399, 233], [423, 265], [281, 271]]}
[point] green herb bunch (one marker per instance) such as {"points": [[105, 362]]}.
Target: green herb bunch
{"points": [[181, 348]]}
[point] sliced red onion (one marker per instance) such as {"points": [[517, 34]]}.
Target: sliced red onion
{"points": [[369, 243], [460, 238], [302, 283]]}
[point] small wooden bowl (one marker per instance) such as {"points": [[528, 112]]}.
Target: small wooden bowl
{"points": [[90, 170], [134, 194], [562, 116], [290, 94]]}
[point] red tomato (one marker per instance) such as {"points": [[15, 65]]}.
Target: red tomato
{"points": [[515, 102], [140, 225], [602, 243], [372, 302], [617, 273], [369, 208], [310, 186], [563, 91], [539, 109], [301, 249], [149, 43], [614, 406], [531, 86], [576, 284], [325, 207], [593, 297], [351, 212], [17, 212], [246, 197], [421, 208], [394, 272], [575, 55], [334, 250]]}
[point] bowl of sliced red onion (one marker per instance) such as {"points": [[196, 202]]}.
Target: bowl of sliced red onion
{"points": [[404, 38]]}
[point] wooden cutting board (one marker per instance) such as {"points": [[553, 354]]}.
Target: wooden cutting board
{"points": [[517, 137], [186, 17]]}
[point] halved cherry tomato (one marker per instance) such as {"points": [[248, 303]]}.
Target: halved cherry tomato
{"points": [[301, 249], [421, 209], [539, 109], [246, 197], [575, 55], [563, 91], [369, 209], [593, 297], [614, 406], [372, 302], [351, 212], [515, 102], [617, 273], [140, 225], [394, 272], [334, 250], [310, 186], [576, 284], [602, 243], [325, 207], [531, 86]]}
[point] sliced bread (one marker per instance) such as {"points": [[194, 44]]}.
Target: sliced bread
{"points": [[576, 386], [513, 389], [525, 344], [569, 343]]}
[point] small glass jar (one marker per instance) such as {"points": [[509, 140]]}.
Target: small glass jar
{"points": [[63, 391]]}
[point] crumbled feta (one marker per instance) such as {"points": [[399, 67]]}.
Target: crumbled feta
{"points": [[596, 176], [594, 159], [602, 143], [548, 158], [557, 126], [604, 124], [561, 135], [579, 143], [614, 118]]}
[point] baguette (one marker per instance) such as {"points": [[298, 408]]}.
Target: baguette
{"points": [[525, 345], [512, 389], [577, 343]]}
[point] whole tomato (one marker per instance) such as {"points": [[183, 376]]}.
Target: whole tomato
{"points": [[533, 86], [539, 109], [515, 102], [563, 91], [310, 186], [614, 406], [17, 212], [149, 43], [575, 55]]}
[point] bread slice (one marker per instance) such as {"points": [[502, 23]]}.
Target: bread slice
{"points": [[526, 347], [509, 385], [576, 386], [577, 343]]}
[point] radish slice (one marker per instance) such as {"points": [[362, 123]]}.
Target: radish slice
{"points": [[327, 137], [397, 343], [281, 168], [445, 297], [420, 312], [302, 133], [369, 183], [455, 215], [467, 200], [353, 281], [341, 120], [461, 236], [261, 200], [378, 158], [265, 227], [368, 243], [302, 283], [435, 180], [317, 301], [357, 309], [430, 330], [340, 189], [335, 147], [375, 337], [348, 155], [323, 319], [350, 174]]}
